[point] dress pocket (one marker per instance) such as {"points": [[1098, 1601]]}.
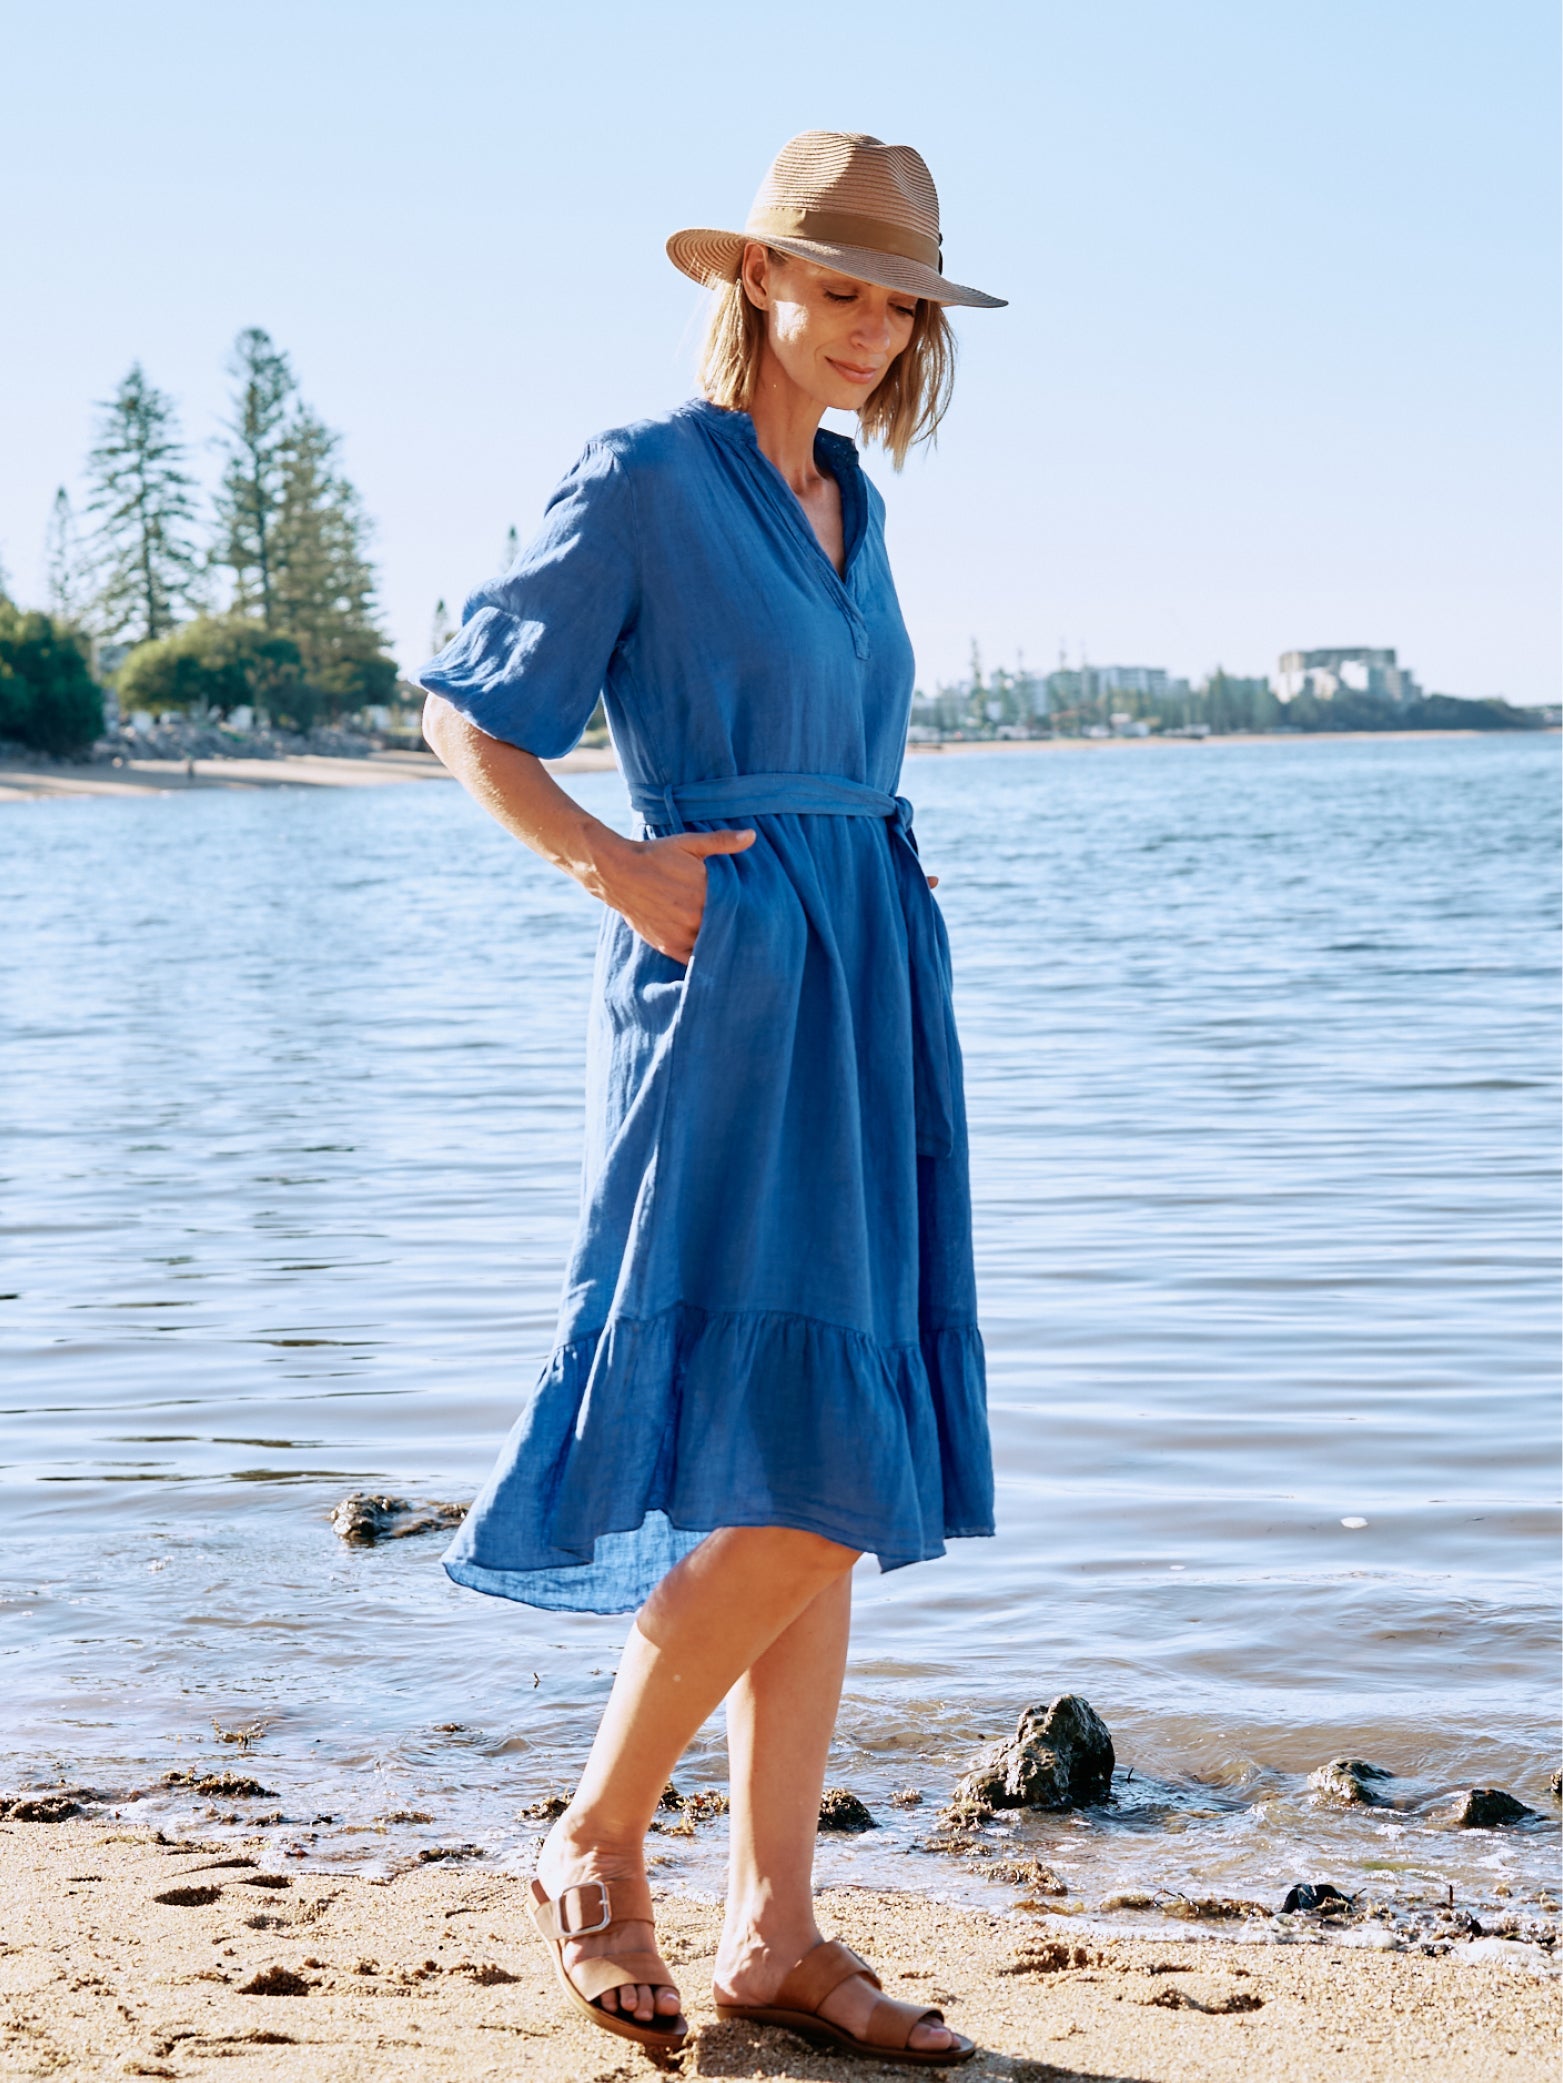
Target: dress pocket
{"points": [[720, 892]]}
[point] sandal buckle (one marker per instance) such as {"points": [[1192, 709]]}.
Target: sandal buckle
{"points": [[585, 1930]]}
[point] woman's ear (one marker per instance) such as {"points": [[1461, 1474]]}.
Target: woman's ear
{"points": [[755, 275]]}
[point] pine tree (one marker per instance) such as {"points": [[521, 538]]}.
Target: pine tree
{"points": [[65, 574], [512, 546], [323, 586], [249, 505], [441, 629], [144, 499]]}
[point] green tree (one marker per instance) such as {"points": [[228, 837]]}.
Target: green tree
{"points": [[219, 663], [254, 473], [324, 595], [48, 698], [144, 499]]}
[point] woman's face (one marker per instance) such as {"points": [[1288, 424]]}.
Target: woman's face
{"points": [[832, 335]]}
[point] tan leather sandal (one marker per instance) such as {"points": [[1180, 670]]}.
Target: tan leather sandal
{"points": [[795, 2007], [582, 1912]]}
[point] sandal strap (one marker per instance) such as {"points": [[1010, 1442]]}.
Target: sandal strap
{"points": [[590, 1907], [891, 2024], [823, 1968], [595, 1977]]}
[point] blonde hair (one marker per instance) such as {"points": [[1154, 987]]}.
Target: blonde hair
{"points": [[905, 407]]}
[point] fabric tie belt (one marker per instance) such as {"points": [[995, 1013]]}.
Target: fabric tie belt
{"points": [[821, 795]]}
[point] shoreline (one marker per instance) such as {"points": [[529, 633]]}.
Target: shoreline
{"points": [[125, 1951], [32, 781]]}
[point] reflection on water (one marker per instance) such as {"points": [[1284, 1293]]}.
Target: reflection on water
{"points": [[1259, 1046]]}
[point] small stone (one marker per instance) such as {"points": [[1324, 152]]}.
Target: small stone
{"points": [[47, 1808], [907, 1797], [841, 1810], [188, 1898], [547, 1810], [1486, 1808], [1555, 1786], [362, 1519], [229, 1785], [1061, 1756], [1027, 1873], [1210, 1909], [702, 1806], [1349, 1781]]}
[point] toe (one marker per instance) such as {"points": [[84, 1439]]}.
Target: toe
{"points": [[667, 2002], [930, 2039], [641, 1996], [609, 1999]]}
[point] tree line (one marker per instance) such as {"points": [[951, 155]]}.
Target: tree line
{"points": [[262, 597]]}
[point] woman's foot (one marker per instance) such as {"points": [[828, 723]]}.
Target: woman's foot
{"points": [[750, 1969], [571, 1855]]}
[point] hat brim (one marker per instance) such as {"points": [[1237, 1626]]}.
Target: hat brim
{"points": [[714, 257]]}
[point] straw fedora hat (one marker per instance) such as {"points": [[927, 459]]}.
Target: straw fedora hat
{"points": [[845, 201]]}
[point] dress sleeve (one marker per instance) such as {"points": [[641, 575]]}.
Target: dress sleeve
{"points": [[528, 662]]}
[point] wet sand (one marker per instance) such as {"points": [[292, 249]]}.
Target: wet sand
{"points": [[122, 1955]]}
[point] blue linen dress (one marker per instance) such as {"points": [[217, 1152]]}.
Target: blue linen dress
{"points": [[769, 1317]]}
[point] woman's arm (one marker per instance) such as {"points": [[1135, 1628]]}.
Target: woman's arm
{"points": [[658, 885]]}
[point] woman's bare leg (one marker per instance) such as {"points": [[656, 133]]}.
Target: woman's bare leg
{"points": [[701, 1629], [780, 1718]]}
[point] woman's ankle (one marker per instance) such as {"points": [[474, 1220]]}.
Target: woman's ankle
{"points": [[580, 1835], [763, 1946]]}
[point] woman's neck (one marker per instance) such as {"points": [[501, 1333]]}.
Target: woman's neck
{"points": [[786, 420]]}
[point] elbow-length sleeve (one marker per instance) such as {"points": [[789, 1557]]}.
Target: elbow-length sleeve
{"points": [[529, 660]]}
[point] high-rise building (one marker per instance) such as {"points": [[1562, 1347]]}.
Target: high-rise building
{"points": [[1356, 669]]}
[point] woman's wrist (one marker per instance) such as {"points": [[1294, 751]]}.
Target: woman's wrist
{"points": [[601, 859]]}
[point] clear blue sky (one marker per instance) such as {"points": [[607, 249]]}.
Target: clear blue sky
{"points": [[1279, 366]]}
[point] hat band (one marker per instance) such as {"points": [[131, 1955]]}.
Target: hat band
{"points": [[837, 228]]}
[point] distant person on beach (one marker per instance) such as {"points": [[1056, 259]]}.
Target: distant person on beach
{"points": [[768, 1360]]}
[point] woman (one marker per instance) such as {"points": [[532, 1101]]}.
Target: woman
{"points": [[768, 1360]]}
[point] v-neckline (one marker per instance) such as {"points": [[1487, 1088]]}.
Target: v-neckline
{"points": [[838, 458]]}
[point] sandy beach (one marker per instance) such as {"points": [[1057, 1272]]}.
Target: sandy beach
{"points": [[125, 1954]]}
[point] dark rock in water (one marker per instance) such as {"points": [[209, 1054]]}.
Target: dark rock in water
{"points": [[1350, 1781], [841, 1810], [1485, 1808], [229, 1785], [39, 1808], [547, 1810], [1321, 1895], [1061, 1756], [362, 1520]]}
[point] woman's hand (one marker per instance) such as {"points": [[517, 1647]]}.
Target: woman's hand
{"points": [[659, 885]]}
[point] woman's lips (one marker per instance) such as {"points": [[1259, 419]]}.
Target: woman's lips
{"points": [[852, 371]]}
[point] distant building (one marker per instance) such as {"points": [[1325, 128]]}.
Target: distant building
{"points": [[1354, 670]]}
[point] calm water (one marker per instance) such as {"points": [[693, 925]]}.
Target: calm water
{"points": [[1260, 1046]]}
